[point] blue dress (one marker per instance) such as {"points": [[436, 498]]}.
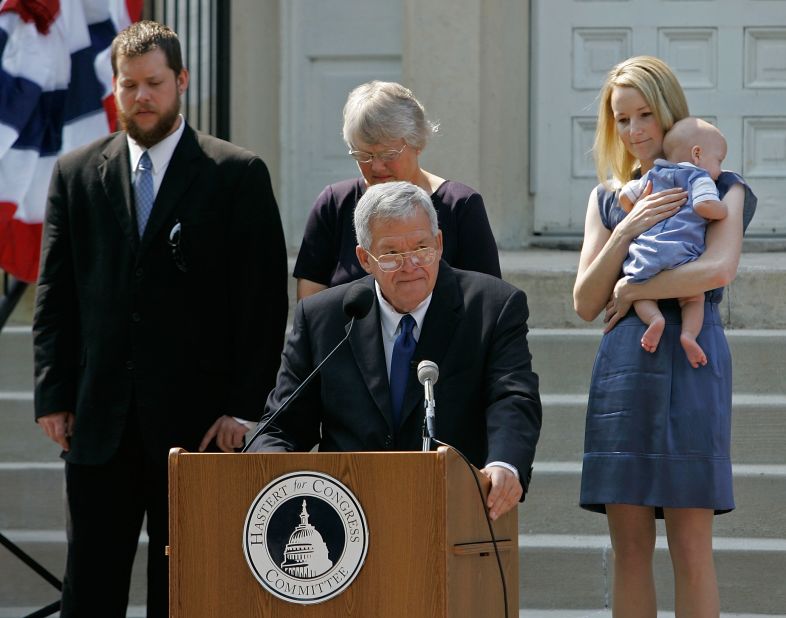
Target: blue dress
{"points": [[658, 431]]}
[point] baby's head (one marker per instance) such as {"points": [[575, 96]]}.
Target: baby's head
{"points": [[698, 142]]}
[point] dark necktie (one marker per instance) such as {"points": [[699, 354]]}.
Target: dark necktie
{"points": [[403, 349], [143, 190]]}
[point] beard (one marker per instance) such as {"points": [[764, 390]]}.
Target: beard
{"points": [[159, 131]]}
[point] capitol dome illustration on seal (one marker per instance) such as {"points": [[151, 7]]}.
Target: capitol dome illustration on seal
{"points": [[306, 554]]}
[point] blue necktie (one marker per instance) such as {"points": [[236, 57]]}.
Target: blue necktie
{"points": [[143, 190], [403, 349]]}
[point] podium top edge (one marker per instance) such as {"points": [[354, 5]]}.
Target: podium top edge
{"points": [[441, 452]]}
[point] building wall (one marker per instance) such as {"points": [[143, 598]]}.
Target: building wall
{"points": [[466, 60], [256, 81]]}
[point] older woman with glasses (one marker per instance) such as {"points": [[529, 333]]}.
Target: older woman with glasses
{"points": [[386, 129]]}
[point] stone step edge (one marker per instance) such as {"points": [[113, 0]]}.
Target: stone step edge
{"points": [[774, 471], [36, 537], [579, 332], [526, 541], [134, 611], [552, 399], [591, 332], [545, 467], [737, 399], [139, 611], [606, 613], [603, 542]]}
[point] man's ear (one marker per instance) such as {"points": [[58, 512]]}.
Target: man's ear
{"points": [[363, 258], [182, 81]]}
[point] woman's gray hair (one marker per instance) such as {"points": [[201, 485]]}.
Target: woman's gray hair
{"points": [[391, 201], [379, 112]]}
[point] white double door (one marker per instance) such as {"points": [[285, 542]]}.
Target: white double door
{"points": [[729, 55]]}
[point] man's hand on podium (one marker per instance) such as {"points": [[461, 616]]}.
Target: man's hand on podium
{"points": [[505, 491]]}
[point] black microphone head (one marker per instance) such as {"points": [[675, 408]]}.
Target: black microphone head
{"points": [[358, 301], [427, 370]]}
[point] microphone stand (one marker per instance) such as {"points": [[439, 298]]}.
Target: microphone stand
{"points": [[269, 421], [428, 419]]}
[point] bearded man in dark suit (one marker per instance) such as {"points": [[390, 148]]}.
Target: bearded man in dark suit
{"points": [[159, 320], [472, 325]]}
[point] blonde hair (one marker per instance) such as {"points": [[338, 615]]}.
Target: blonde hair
{"points": [[660, 89]]}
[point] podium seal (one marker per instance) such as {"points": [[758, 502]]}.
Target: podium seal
{"points": [[305, 537]]}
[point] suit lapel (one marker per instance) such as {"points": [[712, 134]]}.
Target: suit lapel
{"points": [[366, 344], [439, 326], [179, 175], [115, 174]]}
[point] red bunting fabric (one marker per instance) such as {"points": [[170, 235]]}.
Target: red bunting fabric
{"points": [[55, 95]]}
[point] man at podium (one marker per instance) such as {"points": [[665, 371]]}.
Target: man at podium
{"points": [[367, 396]]}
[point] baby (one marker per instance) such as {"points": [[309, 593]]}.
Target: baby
{"points": [[695, 150]]}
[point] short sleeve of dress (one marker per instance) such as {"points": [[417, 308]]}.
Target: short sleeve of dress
{"points": [[610, 212], [725, 182], [468, 242]]}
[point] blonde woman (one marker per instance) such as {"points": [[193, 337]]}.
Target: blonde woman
{"points": [[658, 430]]}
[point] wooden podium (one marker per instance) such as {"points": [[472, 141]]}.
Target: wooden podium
{"points": [[428, 553]]}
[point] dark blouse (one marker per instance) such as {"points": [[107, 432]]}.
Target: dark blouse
{"points": [[327, 253]]}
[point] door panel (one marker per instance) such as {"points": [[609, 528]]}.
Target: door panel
{"points": [[729, 56], [329, 48]]}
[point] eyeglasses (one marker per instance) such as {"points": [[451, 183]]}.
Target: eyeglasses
{"points": [[385, 156], [391, 262]]}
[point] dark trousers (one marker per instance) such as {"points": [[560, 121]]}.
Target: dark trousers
{"points": [[106, 505]]}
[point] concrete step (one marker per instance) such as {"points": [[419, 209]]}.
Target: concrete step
{"points": [[16, 359], [758, 428], [34, 496], [552, 504], [21, 587], [563, 359], [753, 300], [749, 572], [574, 572], [136, 611], [22, 439], [551, 507]]}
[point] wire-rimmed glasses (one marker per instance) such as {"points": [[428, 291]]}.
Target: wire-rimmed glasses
{"points": [[361, 156], [391, 262]]}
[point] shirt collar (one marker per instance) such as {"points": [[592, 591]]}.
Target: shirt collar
{"points": [[665, 163], [160, 153], [390, 318]]}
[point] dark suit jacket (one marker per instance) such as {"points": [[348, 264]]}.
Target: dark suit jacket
{"points": [[487, 402], [119, 328]]}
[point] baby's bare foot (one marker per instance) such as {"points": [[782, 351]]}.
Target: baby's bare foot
{"points": [[652, 335], [696, 355]]}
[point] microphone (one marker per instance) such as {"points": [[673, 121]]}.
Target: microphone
{"points": [[428, 373], [358, 301]]}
